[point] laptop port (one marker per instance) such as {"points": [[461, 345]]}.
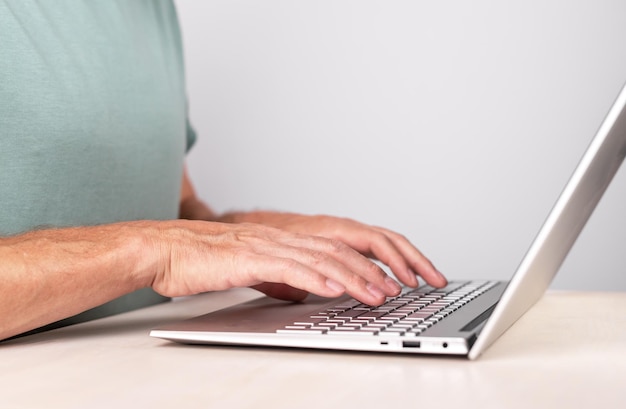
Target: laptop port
{"points": [[411, 344]]}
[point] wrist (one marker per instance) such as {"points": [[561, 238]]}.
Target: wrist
{"points": [[257, 217], [139, 252]]}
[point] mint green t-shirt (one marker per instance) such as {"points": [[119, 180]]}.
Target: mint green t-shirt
{"points": [[93, 117]]}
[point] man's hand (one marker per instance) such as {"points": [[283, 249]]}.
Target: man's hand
{"points": [[48, 275], [202, 256], [287, 256]]}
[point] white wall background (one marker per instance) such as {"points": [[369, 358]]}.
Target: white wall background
{"points": [[456, 123]]}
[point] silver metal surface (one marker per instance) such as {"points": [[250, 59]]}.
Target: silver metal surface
{"points": [[569, 215]]}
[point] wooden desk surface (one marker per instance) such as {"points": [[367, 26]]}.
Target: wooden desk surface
{"points": [[569, 351]]}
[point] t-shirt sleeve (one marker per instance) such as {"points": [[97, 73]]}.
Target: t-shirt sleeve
{"points": [[191, 135]]}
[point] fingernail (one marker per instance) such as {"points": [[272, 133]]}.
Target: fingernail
{"points": [[375, 291], [335, 286], [393, 285]]}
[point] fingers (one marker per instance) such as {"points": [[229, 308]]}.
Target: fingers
{"points": [[383, 249], [393, 249], [324, 267], [396, 249], [342, 265]]}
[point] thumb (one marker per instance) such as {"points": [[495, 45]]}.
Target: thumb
{"points": [[281, 291]]}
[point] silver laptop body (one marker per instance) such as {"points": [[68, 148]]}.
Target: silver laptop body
{"points": [[472, 314]]}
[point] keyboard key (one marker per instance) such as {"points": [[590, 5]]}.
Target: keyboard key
{"points": [[380, 324], [352, 324], [349, 314], [371, 329], [351, 333], [311, 321], [420, 315], [372, 314], [405, 325]]}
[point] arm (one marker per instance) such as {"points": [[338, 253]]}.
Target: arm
{"points": [[51, 274]]}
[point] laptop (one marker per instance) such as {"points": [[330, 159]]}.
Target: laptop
{"points": [[462, 319]]}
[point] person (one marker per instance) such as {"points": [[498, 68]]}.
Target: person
{"points": [[98, 214]]}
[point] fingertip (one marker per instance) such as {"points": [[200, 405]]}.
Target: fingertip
{"points": [[431, 275], [374, 295], [393, 286], [411, 279], [439, 280], [375, 291], [442, 279]]}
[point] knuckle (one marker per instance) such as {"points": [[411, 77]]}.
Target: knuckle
{"points": [[383, 237], [318, 257], [374, 270], [355, 281], [337, 246], [288, 265]]}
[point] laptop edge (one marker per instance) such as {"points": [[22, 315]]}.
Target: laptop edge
{"points": [[563, 225]]}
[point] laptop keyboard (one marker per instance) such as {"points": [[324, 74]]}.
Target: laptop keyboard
{"points": [[407, 315]]}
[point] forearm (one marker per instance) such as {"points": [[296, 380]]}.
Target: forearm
{"points": [[191, 207], [49, 275]]}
